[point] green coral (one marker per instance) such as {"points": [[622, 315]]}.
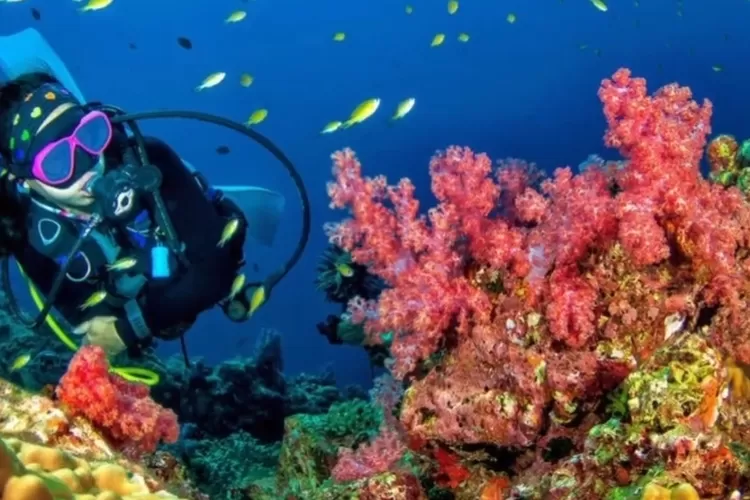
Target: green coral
{"points": [[738, 174], [311, 444], [606, 441], [356, 419], [665, 395], [618, 403], [224, 467]]}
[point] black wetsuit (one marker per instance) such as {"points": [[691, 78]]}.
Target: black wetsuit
{"points": [[168, 306]]}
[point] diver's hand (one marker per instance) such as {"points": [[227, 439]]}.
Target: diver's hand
{"points": [[101, 331]]}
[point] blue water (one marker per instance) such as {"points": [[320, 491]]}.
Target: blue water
{"points": [[524, 90]]}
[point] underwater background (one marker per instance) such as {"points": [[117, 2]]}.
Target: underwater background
{"points": [[524, 90], [589, 351]]}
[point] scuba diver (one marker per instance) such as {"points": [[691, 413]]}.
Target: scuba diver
{"points": [[127, 241]]}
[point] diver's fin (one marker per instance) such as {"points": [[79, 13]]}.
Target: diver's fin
{"points": [[26, 52], [262, 207]]}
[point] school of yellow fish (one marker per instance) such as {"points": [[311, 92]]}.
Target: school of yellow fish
{"points": [[367, 108], [361, 112]]}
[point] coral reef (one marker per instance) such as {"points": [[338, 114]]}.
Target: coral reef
{"points": [[46, 454], [225, 467], [208, 397], [202, 395], [237, 406], [587, 337], [309, 454]]}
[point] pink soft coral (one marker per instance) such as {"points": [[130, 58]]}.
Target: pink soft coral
{"points": [[423, 259], [121, 408], [370, 459]]}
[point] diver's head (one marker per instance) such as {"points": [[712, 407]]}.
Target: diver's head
{"points": [[50, 141]]}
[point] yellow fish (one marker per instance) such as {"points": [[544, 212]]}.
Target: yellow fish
{"points": [[246, 80], [339, 37], [20, 362], [437, 40], [403, 108], [257, 117], [211, 80], [237, 285], [511, 18], [362, 112], [94, 299], [409, 9], [228, 232], [331, 128], [600, 5], [345, 270], [236, 16], [463, 37], [93, 5], [257, 299], [452, 7], [122, 264], [717, 68]]}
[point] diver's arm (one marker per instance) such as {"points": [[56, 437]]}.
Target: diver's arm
{"points": [[212, 269]]}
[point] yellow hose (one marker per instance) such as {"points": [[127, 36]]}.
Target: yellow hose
{"points": [[131, 373]]}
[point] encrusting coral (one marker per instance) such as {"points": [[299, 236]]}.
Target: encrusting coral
{"points": [[34, 472]]}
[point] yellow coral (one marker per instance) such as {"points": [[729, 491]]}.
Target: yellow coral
{"points": [[33, 472], [685, 491], [739, 383], [653, 491]]}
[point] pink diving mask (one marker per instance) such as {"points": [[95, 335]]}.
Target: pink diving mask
{"points": [[55, 163]]}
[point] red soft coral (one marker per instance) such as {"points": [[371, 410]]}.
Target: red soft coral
{"points": [[122, 409]]}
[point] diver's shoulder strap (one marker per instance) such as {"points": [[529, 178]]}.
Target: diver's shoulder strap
{"points": [[127, 286]]}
